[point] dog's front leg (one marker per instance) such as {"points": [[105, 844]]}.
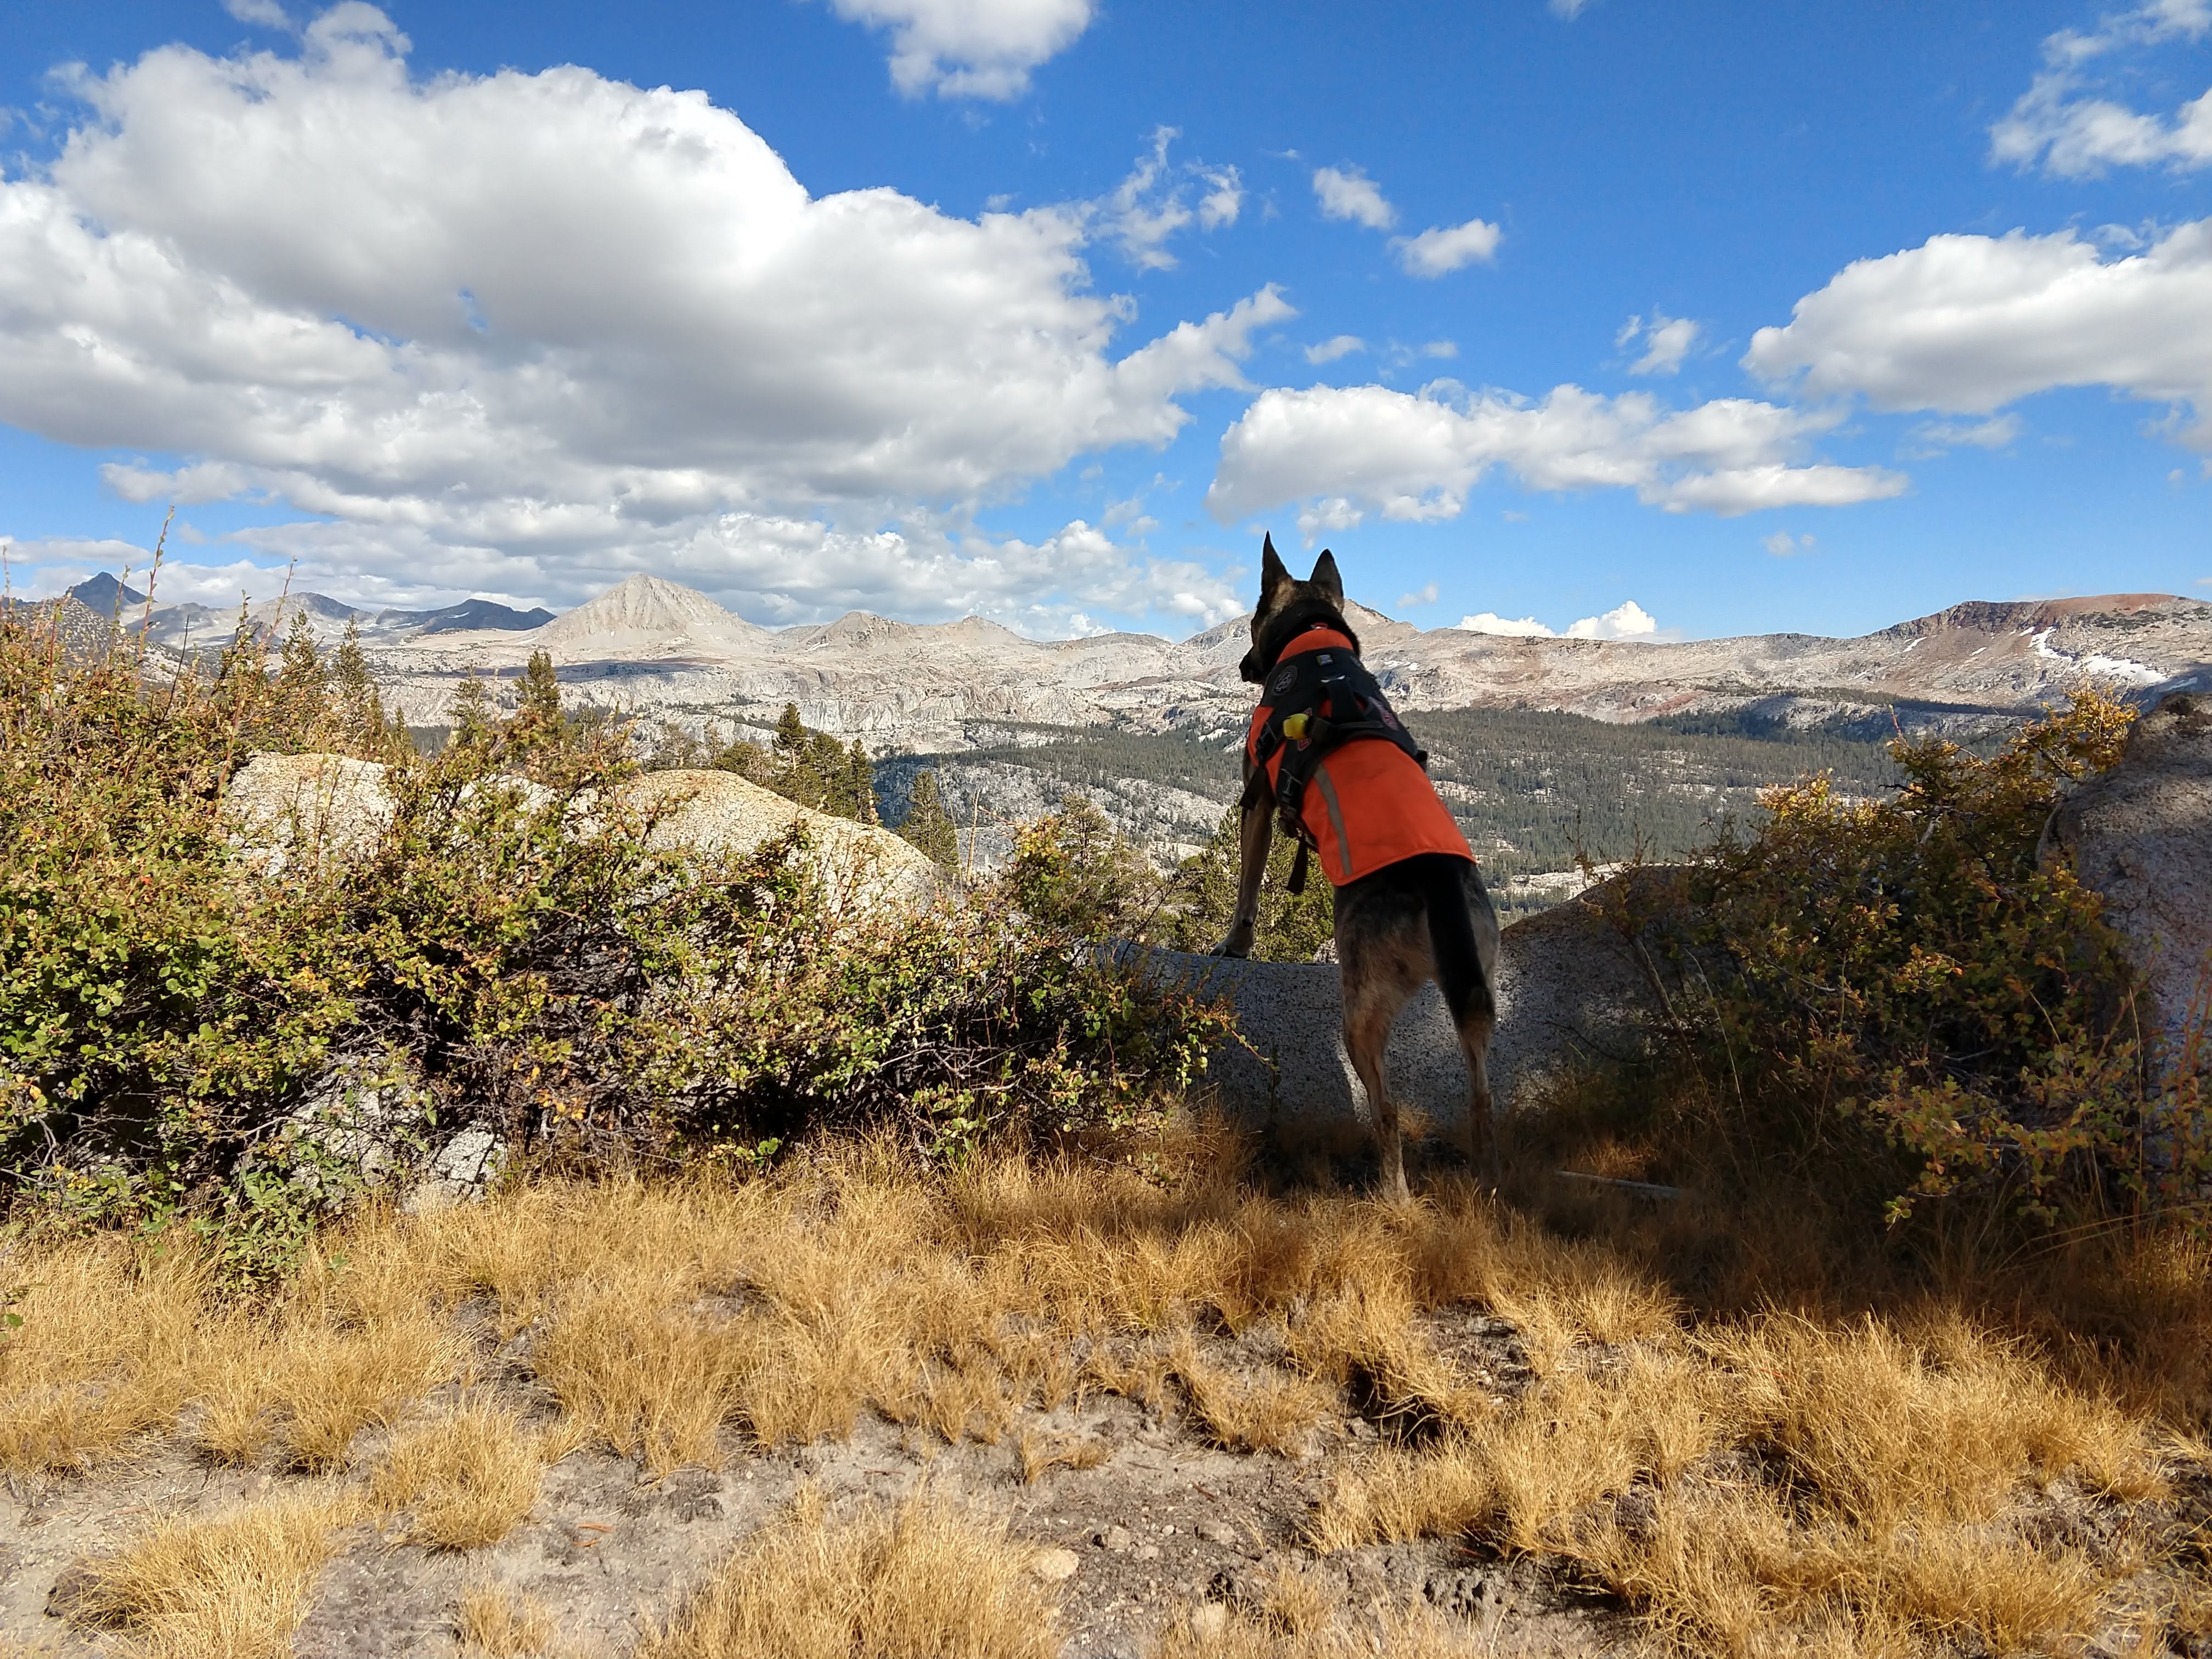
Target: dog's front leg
{"points": [[1255, 834]]}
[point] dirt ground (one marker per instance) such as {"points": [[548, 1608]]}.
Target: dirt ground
{"points": [[1180, 1415], [1165, 1523]]}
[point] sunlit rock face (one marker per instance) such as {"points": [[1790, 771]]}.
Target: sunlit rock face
{"points": [[2141, 835]]}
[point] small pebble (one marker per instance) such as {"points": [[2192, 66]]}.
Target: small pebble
{"points": [[1209, 1619], [1115, 1540], [1055, 1565]]}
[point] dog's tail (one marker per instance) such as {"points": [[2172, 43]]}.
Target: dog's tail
{"points": [[1466, 987]]}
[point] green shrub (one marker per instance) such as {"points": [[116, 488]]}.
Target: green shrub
{"points": [[1073, 873], [144, 995], [514, 945], [967, 1017], [1892, 1001]]}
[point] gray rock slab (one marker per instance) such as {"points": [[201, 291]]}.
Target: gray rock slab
{"points": [[1570, 990], [284, 808], [2141, 835]]}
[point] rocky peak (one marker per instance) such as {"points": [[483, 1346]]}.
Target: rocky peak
{"points": [[2027, 615], [646, 613]]}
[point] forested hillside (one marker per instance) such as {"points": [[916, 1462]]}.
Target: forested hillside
{"points": [[1529, 787]]}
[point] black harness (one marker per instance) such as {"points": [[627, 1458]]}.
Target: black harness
{"points": [[1295, 691]]}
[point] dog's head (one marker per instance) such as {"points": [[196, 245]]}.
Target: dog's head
{"points": [[1288, 607]]}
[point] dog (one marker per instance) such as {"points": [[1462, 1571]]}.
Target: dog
{"points": [[1409, 901]]}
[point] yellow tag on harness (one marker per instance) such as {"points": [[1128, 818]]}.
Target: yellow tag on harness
{"points": [[1295, 727]]}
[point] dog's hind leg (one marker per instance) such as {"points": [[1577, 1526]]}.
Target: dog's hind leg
{"points": [[1463, 933], [1481, 1123]]}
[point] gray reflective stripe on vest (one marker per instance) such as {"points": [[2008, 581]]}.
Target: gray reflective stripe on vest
{"points": [[1335, 814]]}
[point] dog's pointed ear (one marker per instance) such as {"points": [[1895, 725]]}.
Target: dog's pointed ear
{"points": [[1274, 573], [1325, 577]]}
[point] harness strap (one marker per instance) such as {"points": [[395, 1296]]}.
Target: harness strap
{"points": [[1318, 701]]}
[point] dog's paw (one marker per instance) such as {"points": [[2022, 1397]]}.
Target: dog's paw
{"points": [[1233, 947]]}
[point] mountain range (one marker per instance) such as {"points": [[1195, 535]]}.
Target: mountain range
{"points": [[1146, 727], [667, 652], [189, 626]]}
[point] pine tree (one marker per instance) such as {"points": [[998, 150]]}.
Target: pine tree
{"points": [[537, 721], [675, 749], [301, 716], [928, 825], [471, 714], [748, 759], [790, 734], [242, 676], [859, 784], [399, 737], [360, 711], [797, 776]]}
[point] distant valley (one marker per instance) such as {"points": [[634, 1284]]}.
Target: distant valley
{"points": [[1541, 744]]}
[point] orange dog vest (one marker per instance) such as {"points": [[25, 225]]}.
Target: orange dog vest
{"points": [[1368, 805]]}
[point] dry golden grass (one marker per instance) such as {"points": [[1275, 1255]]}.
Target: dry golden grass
{"points": [[1876, 1520], [298, 1385], [2190, 1616], [228, 1586], [336, 1384], [1040, 1454], [1259, 1409], [109, 1342], [1736, 1572], [494, 1622], [1528, 1479], [922, 1579], [467, 1480], [1297, 1618], [1855, 1474], [1893, 1425], [659, 1383]]}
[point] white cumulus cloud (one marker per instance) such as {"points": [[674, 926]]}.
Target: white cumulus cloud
{"points": [[1152, 204], [1347, 193], [2065, 124], [266, 14], [1666, 342], [1625, 621], [1318, 518], [1415, 457], [1965, 325], [970, 48], [1933, 437], [1437, 253], [511, 331], [1342, 345], [1521, 628]]}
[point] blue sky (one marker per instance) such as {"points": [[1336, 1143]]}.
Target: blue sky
{"points": [[1026, 306]]}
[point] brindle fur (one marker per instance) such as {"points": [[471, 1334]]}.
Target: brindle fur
{"points": [[1427, 918]]}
